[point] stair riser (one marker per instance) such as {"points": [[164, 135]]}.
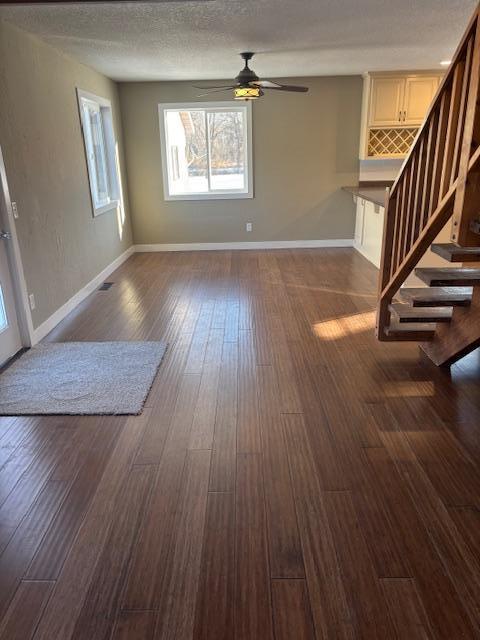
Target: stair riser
{"points": [[403, 320], [458, 257], [439, 303], [409, 337], [451, 283]]}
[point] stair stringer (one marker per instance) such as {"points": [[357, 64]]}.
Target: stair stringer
{"points": [[455, 340]]}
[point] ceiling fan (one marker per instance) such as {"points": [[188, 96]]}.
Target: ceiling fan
{"points": [[248, 85]]}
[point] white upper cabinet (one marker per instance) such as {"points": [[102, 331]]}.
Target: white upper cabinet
{"points": [[401, 100], [386, 106], [419, 92]]}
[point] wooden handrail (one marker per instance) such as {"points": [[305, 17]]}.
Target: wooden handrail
{"points": [[433, 184]]}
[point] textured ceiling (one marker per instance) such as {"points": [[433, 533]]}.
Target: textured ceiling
{"points": [[200, 39]]}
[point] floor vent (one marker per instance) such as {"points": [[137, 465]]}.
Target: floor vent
{"points": [[105, 286]]}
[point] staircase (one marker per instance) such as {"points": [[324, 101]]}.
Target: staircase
{"points": [[439, 184]]}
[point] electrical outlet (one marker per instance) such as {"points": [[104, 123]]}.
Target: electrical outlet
{"points": [[15, 210], [249, 226], [31, 299]]}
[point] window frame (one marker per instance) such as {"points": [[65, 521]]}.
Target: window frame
{"points": [[109, 147], [246, 107]]}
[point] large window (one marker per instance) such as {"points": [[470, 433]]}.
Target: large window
{"points": [[206, 150], [100, 150]]}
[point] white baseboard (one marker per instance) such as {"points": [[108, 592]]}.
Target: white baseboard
{"points": [[269, 244], [51, 322]]}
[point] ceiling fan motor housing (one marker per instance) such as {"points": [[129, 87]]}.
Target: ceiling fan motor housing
{"points": [[246, 75]]}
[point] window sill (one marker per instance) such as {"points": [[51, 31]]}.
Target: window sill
{"points": [[113, 204], [209, 196]]}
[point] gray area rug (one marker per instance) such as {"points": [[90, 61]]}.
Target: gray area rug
{"points": [[81, 378]]}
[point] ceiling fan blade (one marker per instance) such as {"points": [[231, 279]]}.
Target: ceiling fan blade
{"points": [[201, 95], [267, 84], [287, 87], [213, 86]]}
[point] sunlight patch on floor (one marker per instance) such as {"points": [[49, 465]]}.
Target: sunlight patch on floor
{"points": [[347, 325], [409, 389]]}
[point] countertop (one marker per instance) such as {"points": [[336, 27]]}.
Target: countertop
{"points": [[376, 195]]}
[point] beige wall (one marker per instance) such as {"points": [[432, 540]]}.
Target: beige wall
{"points": [[305, 149], [63, 247]]}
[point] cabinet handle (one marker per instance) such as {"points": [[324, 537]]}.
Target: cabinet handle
{"points": [[399, 116], [404, 116]]}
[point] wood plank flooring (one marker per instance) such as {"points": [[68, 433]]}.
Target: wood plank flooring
{"points": [[289, 479]]}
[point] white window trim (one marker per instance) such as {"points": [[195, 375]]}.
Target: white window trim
{"points": [[113, 178], [202, 106]]}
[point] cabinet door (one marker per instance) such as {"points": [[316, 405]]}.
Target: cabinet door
{"points": [[419, 92], [373, 233], [386, 101], [359, 221]]}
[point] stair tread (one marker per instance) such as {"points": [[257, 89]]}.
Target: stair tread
{"points": [[460, 276], [437, 296], [414, 332], [408, 314], [453, 253]]}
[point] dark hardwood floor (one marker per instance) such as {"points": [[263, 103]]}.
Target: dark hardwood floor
{"points": [[290, 478]]}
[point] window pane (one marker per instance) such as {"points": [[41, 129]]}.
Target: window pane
{"points": [[101, 151], [205, 150], [3, 313], [186, 152], [99, 159], [227, 153]]}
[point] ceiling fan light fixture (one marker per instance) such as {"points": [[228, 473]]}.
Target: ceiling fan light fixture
{"points": [[247, 93]]}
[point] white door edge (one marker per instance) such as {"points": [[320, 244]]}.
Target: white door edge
{"points": [[24, 317]]}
